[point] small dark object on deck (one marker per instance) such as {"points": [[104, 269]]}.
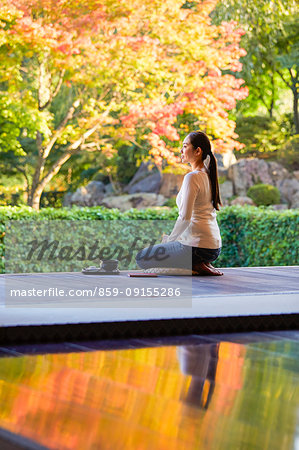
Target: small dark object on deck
{"points": [[108, 267]]}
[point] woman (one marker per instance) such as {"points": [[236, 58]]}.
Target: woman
{"points": [[196, 235]]}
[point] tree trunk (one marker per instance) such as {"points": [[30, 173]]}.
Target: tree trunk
{"points": [[295, 110], [294, 87], [34, 197], [271, 107], [40, 180]]}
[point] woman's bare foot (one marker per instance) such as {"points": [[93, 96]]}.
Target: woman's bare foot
{"points": [[207, 269], [213, 268]]}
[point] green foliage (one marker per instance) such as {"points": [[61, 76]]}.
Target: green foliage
{"points": [[18, 119], [264, 194], [126, 161], [71, 87], [222, 179], [251, 236], [176, 170], [289, 152], [170, 202], [52, 199], [8, 197], [271, 42], [263, 136]]}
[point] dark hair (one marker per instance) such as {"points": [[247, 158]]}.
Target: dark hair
{"points": [[200, 139]]}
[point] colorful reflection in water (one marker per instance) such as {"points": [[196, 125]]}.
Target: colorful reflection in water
{"points": [[219, 395]]}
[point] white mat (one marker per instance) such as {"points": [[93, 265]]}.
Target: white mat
{"points": [[169, 271]]}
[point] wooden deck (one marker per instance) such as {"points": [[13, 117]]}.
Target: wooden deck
{"points": [[243, 299]]}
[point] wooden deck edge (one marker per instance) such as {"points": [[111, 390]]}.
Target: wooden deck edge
{"points": [[146, 328]]}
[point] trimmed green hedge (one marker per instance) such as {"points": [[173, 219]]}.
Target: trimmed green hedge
{"points": [[264, 194], [258, 236], [251, 236]]}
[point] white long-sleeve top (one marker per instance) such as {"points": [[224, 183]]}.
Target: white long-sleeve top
{"points": [[197, 223]]}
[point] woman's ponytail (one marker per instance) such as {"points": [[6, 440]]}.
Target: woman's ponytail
{"points": [[213, 174], [200, 139]]}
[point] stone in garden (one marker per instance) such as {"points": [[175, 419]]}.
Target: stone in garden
{"points": [[277, 172], [138, 201], [296, 174], [171, 184], [288, 188], [147, 179], [95, 187], [151, 183], [228, 159], [109, 188], [219, 159], [89, 195], [222, 172], [295, 201], [242, 200], [247, 172], [67, 199], [226, 190]]}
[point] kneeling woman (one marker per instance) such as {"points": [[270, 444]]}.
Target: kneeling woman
{"points": [[195, 238]]}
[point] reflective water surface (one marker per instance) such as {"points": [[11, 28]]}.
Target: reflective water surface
{"points": [[197, 392]]}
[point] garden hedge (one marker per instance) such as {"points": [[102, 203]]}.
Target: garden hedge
{"points": [[251, 236]]}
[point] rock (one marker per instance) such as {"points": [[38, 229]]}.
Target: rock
{"points": [[295, 201], [171, 184], [226, 190], [251, 171], [277, 172], [95, 187], [67, 199], [109, 189], [242, 200], [228, 159], [219, 159], [151, 183], [224, 160], [147, 179], [247, 172], [296, 174], [139, 201], [90, 195], [288, 188], [222, 172]]}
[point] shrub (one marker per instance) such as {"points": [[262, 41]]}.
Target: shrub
{"points": [[289, 152], [258, 236], [251, 236], [52, 199], [170, 202], [264, 194]]}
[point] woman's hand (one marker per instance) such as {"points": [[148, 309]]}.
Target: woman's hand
{"points": [[164, 238]]}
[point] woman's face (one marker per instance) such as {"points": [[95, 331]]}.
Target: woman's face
{"points": [[188, 153]]}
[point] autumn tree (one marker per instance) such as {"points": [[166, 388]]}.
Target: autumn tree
{"points": [[79, 76]]}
